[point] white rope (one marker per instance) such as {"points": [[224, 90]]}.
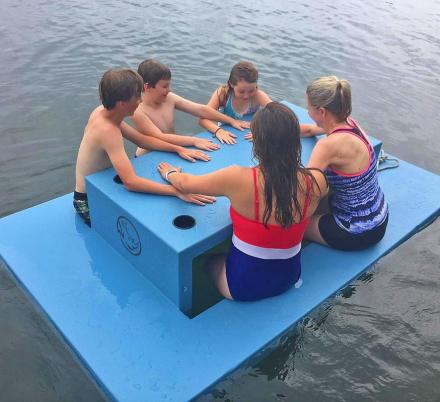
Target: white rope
{"points": [[390, 163]]}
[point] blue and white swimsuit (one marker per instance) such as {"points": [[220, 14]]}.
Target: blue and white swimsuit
{"points": [[357, 204]]}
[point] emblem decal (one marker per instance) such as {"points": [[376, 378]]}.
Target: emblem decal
{"points": [[129, 235]]}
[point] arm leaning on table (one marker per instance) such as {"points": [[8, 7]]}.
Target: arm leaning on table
{"points": [[147, 127], [114, 147], [229, 182], [209, 114], [149, 142], [206, 112], [310, 130], [223, 135], [222, 182]]}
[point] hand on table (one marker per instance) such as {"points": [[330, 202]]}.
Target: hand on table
{"points": [[226, 137], [192, 155], [206, 145]]}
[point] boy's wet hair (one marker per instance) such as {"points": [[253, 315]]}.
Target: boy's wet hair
{"points": [[242, 71], [119, 85], [152, 71]]}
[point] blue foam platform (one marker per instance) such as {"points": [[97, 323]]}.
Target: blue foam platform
{"points": [[134, 339], [141, 227], [158, 249]]}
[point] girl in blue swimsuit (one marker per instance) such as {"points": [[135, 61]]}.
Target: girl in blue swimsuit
{"points": [[240, 98]]}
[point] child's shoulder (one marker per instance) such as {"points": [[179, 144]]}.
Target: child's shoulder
{"points": [[177, 101], [221, 92], [173, 97], [99, 125], [262, 97], [260, 91], [140, 112], [96, 112]]}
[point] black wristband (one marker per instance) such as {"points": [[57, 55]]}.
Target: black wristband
{"points": [[214, 134]]}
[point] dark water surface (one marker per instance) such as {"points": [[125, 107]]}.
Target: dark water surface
{"points": [[379, 339]]}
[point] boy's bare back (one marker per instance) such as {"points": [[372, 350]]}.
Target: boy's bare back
{"points": [[92, 156]]}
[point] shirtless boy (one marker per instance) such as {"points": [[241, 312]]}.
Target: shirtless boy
{"points": [[155, 115], [102, 145]]}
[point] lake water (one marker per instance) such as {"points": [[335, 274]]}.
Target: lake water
{"points": [[378, 339]]}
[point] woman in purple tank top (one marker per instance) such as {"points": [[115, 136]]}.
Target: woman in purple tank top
{"points": [[355, 214]]}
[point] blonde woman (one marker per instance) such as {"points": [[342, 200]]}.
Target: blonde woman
{"points": [[357, 213]]}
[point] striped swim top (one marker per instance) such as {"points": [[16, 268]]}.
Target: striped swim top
{"points": [[357, 201], [253, 238]]}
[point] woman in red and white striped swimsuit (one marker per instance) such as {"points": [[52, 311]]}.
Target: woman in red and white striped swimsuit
{"points": [[270, 206]]}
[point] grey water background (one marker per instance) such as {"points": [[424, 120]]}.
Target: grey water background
{"points": [[379, 338]]}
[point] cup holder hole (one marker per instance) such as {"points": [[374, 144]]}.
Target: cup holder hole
{"points": [[184, 222]]}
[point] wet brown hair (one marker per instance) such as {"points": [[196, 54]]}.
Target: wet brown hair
{"points": [[242, 71], [152, 71], [119, 85], [277, 148]]}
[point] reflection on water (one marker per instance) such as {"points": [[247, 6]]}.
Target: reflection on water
{"points": [[110, 276], [360, 346]]}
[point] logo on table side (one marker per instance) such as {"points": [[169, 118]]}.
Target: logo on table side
{"points": [[129, 235]]}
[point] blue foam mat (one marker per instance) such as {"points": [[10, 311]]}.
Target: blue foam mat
{"points": [[165, 253], [134, 340]]}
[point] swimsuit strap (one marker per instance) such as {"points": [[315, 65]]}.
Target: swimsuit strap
{"points": [[257, 201], [229, 96], [308, 196], [354, 129]]}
